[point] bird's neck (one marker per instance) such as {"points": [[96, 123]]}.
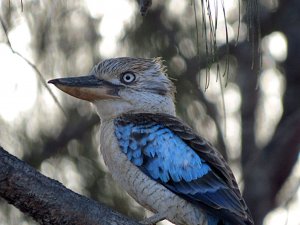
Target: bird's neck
{"points": [[108, 110]]}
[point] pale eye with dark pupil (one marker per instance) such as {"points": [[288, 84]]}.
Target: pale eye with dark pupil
{"points": [[127, 78]]}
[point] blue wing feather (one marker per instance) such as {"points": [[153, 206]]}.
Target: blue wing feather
{"points": [[166, 158]]}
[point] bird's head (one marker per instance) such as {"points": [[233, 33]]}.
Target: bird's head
{"points": [[121, 85]]}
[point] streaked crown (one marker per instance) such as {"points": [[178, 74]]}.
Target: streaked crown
{"points": [[150, 74]]}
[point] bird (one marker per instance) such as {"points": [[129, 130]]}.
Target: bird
{"points": [[151, 153]]}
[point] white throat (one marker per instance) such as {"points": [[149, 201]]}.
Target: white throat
{"points": [[147, 103]]}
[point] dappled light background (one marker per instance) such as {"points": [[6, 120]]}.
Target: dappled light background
{"points": [[253, 130]]}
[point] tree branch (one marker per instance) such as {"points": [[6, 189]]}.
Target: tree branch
{"points": [[265, 175], [39, 74], [269, 169], [47, 201], [75, 128]]}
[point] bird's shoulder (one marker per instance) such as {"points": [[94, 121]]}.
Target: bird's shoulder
{"points": [[199, 144]]}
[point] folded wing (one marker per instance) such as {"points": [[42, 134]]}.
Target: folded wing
{"points": [[169, 152]]}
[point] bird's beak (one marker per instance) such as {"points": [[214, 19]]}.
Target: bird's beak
{"points": [[87, 88]]}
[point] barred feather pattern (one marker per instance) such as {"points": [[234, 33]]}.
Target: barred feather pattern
{"points": [[225, 201]]}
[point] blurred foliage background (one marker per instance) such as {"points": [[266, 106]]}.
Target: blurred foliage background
{"points": [[261, 138]]}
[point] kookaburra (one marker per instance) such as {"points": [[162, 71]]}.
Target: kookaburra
{"points": [[158, 159]]}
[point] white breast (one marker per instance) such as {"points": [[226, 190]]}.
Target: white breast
{"points": [[144, 190]]}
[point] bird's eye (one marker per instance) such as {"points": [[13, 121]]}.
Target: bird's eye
{"points": [[127, 78]]}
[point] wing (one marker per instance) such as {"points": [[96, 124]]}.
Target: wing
{"points": [[169, 152]]}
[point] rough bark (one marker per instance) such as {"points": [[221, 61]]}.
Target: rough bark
{"points": [[47, 201]]}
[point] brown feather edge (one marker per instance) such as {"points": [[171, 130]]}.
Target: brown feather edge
{"points": [[211, 155]]}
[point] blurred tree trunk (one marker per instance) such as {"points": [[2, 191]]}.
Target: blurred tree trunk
{"points": [[266, 171]]}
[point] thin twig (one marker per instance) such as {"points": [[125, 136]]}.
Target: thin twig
{"points": [[22, 5], [239, 23], [211, 46], [39, 74], [223, 106], [207, 77]]}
